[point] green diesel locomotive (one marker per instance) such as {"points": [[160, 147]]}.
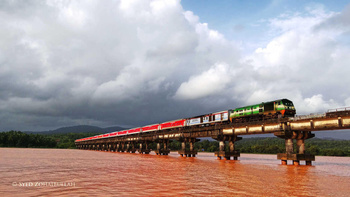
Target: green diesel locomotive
{"points": [[273, 109]]}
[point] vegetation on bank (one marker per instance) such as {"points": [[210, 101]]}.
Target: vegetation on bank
{"points": [[24, 140], [272, 145]]}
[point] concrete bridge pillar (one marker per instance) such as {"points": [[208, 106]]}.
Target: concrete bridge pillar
{"points": [[183, 145], [301, 146], [191, 152], [128, 147], [299, 154], [133, 149], [119, 147], [112, 147], [191, 145], [289, 146], [162, 150], [165, 145], [231, 152], [144, 148], [221, 145], [122, 149]]}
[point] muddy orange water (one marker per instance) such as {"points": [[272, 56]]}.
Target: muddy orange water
{"points": [[54, 172]]}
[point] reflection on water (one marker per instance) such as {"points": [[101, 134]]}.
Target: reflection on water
{"points": [[123, 174]]}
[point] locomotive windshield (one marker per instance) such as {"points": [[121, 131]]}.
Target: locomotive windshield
{"points": [[287, 102]]}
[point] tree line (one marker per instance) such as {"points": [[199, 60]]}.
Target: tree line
{"points": [[23, 140], [270, 145]]}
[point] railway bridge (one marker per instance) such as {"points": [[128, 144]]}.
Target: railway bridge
{"points": [[293, 130]]}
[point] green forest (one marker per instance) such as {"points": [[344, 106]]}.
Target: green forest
{"points": [[23, 140], [270, 145]]}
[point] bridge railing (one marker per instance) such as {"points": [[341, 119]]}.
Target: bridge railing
{"points": [[339, 109], [310, 116]]}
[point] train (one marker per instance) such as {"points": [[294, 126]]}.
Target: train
{"points": [[267, 110]]}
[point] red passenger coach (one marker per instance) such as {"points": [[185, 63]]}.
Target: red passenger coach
{"points": [[149, 128], [131, 131], [173, 124], [114, 134], [123, 132]]}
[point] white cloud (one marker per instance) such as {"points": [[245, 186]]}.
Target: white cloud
{"points": [[303, 62], [86, 60], [71, 61], [210, 82]]}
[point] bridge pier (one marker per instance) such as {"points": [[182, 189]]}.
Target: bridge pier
{"points": [[227, 154], [112, 147], [164, 150], [120, 147], [299, 154], [131, 147], [128, 147], [105, 147], [191, 152], [144, 149]]}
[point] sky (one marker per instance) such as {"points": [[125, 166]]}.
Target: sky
{"points": [[137, 62]]}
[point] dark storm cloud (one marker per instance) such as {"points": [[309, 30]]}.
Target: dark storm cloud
{"points": [[132, 63], [120, 63]]}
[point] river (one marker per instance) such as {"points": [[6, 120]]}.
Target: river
{"points": [[62, 172]]}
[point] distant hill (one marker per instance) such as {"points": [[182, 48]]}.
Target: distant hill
{"points": [[112, 129], [79, 129]]}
